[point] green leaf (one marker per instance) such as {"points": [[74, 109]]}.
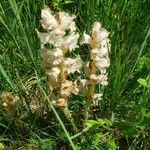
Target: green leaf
{"points": [[147, 62], [105, 122], [145, 118], [111, 144], [142, 82], [128, 128], [2, 147], [92, 124]]}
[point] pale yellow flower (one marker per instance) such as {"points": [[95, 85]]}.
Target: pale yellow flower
{"points": [[51, 57]]}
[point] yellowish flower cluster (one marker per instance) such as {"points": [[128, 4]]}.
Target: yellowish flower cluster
{"points": [[10, 103]]}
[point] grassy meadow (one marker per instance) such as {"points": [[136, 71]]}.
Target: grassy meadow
{"points": [[121, 120]]}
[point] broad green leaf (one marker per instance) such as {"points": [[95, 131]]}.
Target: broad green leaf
{"points": [[92, 124], [105, 121]]}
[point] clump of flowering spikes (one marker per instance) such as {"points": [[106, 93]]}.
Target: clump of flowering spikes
{"points": [[10, 103], [62, 37], [99, 61]]}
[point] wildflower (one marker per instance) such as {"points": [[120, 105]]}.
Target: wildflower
{"points": [[57, 56], [86, 39], [72, 65], [83, 84], [51, 57], [61, 102], [66, 21], [9, 100], [102, 79], [10, 103], [96, 27], [96, 98], [102, 63], [68, 87], [70, 42], [48, 20], [44, 38], [53, 73]]}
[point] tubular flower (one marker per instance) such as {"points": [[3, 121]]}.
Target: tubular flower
{"points": [[69, 87], [48, 20], [96, 98], [66, 21], [72, 65]]}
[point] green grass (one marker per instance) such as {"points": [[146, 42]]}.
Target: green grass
{"points": [[20, 68]]}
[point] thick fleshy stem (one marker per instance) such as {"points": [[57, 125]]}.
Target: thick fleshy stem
{"points": [[91, 87], [89, 93]]}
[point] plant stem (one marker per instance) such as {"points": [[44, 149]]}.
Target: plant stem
{"points": [[65, 109], [89, 93]]}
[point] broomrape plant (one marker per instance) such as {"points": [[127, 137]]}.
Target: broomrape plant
{"points": [[62, 37]]}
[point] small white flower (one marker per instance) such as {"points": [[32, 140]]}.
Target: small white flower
{"points": [[54, 72], [102, 63], [96, 98], [102, 34], [70, 41], [68, 87], [44, 38], [72, 65], [57, 56], [51, 57], [66, 21], [102, 79], [48, 20], [104, 48], [84, 83], [85, 39], [93, 77], [95, 53], [96, 27]]}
